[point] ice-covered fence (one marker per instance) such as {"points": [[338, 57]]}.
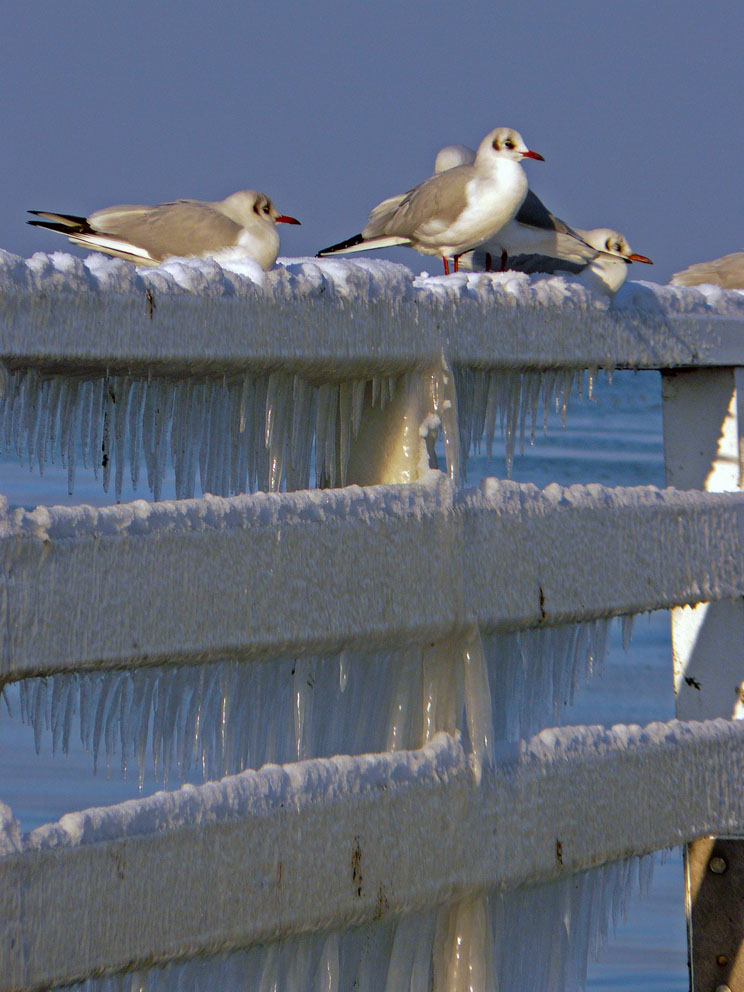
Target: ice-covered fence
{"points": [[351, 568], [239, 377], [329, 843], [244, 374]]}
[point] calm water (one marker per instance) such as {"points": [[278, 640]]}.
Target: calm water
{"points": [[614, 439]]}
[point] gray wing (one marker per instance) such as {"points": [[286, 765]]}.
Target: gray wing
{"points": [[569, 244], [485, 260], [544, 263], [184, 227], [425, 210], [534, 212], [727, 272]]}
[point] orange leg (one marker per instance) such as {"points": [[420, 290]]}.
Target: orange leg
{"points": [[457, 262], [446, 266], [489, 262]]}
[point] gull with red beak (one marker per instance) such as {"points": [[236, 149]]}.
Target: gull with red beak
{"points": [[538, 241], [534, 230], [245, 221], [455, 211], [604, 270]]}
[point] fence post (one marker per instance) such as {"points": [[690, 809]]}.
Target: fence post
{"points": [[703, 412], [394, 442]]}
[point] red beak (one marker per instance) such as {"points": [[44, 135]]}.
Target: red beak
{"points": [[533, 155], [639, 258], [283, 219]]}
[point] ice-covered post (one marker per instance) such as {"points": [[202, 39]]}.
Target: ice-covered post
{"points": [[395, 444], [395, 441], [703, 414]]}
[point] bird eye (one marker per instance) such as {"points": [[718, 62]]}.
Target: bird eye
{"points": [[509, 143]]}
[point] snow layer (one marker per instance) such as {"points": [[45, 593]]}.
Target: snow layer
{"points": [[332, 842], [331, 314]]}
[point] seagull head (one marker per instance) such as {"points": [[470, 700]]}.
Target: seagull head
{"points": [[613, 243], [244, 206], [505, 143]]}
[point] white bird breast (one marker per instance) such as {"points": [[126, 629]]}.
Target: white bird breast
{"points": [[263, 244], [491, 201]]}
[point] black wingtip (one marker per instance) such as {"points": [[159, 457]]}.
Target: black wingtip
{"points": [[67, 222], [349, 243], [49, 226]]}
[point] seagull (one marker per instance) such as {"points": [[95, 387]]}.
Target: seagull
{"points": [[533, 231], [454, 211], [148, 235], [605, 272], [727, 272], [538, 241]]}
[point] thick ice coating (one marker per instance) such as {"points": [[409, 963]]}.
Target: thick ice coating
{"points": [[172, 365]]}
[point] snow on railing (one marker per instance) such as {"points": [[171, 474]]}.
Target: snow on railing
{"points": [[238, 377], [436, 627]]}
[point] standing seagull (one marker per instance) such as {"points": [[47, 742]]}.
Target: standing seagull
{"points": [[454, 211], [727, 271], [538, 241], [148, 235], [533, 231]]}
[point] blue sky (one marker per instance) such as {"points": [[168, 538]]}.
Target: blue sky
{"points": [[329, 107]]}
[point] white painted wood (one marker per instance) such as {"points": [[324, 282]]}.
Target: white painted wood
{"points": [[127, 884], [701, 449], [701, 445]]}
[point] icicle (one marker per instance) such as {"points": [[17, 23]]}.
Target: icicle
{"points": [[345, 427], [328, 970], [109, 399], [301, 435], [278, 420], [627, 630], [135, 430], [444, 400], [533, 673], [478, 712]]}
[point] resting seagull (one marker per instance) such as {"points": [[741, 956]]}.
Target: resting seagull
{"points": [[148, 235], [454, 211], [605, 272], [727, 272]]}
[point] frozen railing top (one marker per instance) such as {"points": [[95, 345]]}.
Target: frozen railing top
{"points": [[335, 319]]}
